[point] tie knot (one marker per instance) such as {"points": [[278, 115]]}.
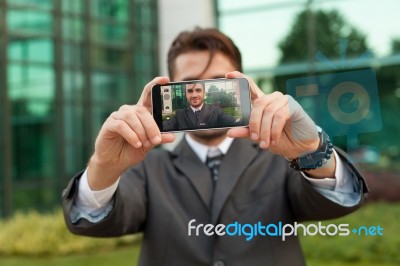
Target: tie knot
{"points": [[214, 158], [213, 152], [197, 112]]}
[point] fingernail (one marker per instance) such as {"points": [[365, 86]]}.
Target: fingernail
{"points": [[138, 144], [263, 144], [254, 136], [156, 140], [273, 142], [147, 143]]}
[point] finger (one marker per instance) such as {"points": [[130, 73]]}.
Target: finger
{"points": [[150, 126], [239, 132], [255, 91], [145, 98], [129, 115], [121, 128], [259, 110], [268, 115], [167, 138], [279, 121]]}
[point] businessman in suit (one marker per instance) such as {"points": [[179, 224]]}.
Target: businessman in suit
{"points": [[198, 115], [264, 175]]}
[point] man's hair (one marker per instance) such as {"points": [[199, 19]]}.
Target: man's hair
{"points": [[199, 39]]}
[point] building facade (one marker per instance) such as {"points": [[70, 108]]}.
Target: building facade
{"points": [[65, 66]]}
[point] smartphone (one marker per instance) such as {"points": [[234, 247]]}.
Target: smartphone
{"points": [[201, 104]]}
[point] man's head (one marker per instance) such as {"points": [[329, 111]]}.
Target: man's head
{"points": [[195, 94], [203, 54], [208, 40]]}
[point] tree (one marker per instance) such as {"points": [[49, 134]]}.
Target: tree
{"points": [[318, 31], [324, 29], [396, 45]]}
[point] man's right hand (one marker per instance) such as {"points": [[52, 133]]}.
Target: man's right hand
{"points": [[124, 140]]}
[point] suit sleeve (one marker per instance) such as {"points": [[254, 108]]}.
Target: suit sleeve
{"points": [[309, 204], [171, 124], [127, 215]]}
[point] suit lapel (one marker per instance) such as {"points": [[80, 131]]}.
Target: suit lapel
{"points": [[196, 171], [239, 156], [203, 115], [190, 116]]}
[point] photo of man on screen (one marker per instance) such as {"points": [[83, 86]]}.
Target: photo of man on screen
{"points": [[199, 114]]}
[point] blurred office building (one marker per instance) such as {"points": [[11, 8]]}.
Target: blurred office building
{"points": [[65, 65]]}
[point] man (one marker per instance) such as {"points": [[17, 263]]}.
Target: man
{"points": [[130, 187], [198, 114]]}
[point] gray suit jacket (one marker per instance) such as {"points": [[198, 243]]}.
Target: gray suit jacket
{"points": [[168, 189], [211, 116]]}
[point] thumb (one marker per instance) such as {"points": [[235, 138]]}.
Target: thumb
{"points": [[167, 138], [255, 91], [145, 98]]}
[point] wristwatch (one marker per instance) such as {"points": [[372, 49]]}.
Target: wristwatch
{"points": [[317, 158]]}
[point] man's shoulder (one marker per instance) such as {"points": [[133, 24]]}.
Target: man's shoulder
{"points": [[180, 111], [158, 153]]}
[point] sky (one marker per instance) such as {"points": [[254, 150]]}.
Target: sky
{"points": [[258, 33]]}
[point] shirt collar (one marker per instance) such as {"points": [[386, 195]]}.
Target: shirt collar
{"points": [[197, 109], [201, 149]]}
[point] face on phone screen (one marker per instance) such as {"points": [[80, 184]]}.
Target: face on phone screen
{"points": [[201, 104]]}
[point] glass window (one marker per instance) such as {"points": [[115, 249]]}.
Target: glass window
{"points": [[33, 137], [110, 88], [74, 6], [74, 136], [144, 14], [73, 54], [34, 3], [31, 89], [111, 9], [31, 49], [73, 29], [29, 22], [73, 85], [111, 57], [110, 33], [146, 40], [144, 62]]}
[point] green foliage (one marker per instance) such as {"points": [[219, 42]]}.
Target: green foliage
{"points": [[395, 45], [232, 111], [376, 250], [222, 98], [120, 257], [46, 234], [328, 29]]}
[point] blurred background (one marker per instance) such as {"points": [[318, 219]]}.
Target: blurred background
{"points": [[65, 65]]}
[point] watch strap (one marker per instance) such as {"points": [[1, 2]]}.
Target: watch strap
{"points": [[317, 158]]}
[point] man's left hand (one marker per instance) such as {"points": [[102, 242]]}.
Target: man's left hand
{"points": [[278, 123]]}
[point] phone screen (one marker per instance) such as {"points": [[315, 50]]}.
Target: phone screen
{"points": [[201, 104]]}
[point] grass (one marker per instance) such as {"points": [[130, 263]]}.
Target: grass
{"points": [[122, 256], [349, 250], [359, 250]]}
